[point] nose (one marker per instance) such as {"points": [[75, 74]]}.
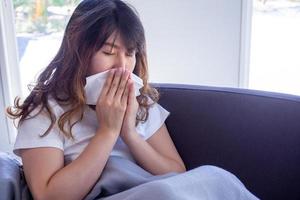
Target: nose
{"points": [[121, 61]]}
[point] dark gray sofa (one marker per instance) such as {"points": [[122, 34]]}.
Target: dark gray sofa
{"points": [[253, 134]]}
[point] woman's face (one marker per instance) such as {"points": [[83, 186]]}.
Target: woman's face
{"points": [[113, 54]]}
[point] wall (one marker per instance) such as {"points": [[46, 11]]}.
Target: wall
{"points": [[194, 41]]}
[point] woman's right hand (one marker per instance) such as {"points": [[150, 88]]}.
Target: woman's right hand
{"points": [[112, 102]]}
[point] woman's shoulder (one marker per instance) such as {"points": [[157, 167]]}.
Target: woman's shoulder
{"points": [[31, 132]]}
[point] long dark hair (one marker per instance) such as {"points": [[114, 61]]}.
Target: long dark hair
{"points": [[92, 22]]}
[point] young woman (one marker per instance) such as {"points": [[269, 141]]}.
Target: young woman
{"points": [[65, 143]]}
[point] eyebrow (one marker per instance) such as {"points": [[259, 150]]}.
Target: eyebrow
{"points": [[117, 46], [112, 45]]}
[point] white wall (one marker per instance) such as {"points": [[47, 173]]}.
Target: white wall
{"points": [[194, 41]]}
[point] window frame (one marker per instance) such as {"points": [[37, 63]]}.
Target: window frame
{"points": [[9, 69], [245, 42]]}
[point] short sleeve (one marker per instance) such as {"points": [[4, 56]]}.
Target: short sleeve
{"points": [[156, 118], [31, 129]]}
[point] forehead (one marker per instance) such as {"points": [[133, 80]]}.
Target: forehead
{"points": [[115, 40]]}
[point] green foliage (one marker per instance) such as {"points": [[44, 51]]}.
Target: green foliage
{"points": [[18, 3], [57, 2], [28, 21]]}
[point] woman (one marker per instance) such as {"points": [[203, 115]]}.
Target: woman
{"points": [[64, 143]]}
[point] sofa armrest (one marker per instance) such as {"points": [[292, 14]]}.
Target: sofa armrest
{"points": [[253, 134]]}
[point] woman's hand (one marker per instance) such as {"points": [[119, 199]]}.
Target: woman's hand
{"points": [[112, 102], [128, 126]]}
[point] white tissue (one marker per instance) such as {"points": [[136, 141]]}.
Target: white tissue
{"points": [[95, 83]]}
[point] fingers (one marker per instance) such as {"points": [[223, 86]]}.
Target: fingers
{"points": [[131, 93], [115, 83], [125, 94], [122, 85]]}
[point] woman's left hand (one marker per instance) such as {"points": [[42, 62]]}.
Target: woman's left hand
{"points": [[128, 126]]}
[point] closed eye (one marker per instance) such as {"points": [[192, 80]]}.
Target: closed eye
{"points": [[130, 53], [108, 53]]}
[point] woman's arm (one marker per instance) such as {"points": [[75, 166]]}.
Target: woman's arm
{"points": [[47, 177], [157, 154]]}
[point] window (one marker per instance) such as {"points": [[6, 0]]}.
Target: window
{"points": [[9, 73], [39, 28], [275, 46]]}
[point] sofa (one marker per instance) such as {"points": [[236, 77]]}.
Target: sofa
{"points": [[253, 134]]}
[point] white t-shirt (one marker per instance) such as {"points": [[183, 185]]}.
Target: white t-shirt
{"points": [[83, 131]]}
